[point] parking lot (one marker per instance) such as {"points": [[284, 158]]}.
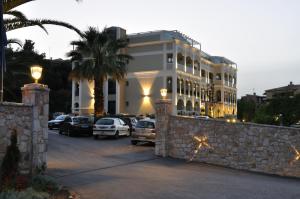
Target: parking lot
{"points": [[111, 169]]}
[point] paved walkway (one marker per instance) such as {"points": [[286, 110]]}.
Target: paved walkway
{"points": [[113, 169]]}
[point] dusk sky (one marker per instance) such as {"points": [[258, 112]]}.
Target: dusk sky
{"points": [[262, 37]]}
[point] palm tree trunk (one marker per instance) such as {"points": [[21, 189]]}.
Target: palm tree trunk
{"points": [[99, 97]]}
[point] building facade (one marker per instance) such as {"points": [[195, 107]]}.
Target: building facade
{"points": [[286, 91], [197, 83]]}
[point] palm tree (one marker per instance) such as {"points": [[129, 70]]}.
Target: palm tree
{"points": [[99, 56], [19, 20]]}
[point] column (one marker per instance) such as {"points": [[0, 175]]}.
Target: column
{"points": [[37, 96], [163, 110], [105, 89]]}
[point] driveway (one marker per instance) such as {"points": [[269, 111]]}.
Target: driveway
{"points": [[114, 169]]}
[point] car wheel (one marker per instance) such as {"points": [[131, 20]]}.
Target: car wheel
{"points": [[117, 135], [96, 137], [134, 142]]}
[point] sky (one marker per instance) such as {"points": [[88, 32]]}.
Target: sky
{"points": [[261, 36]]}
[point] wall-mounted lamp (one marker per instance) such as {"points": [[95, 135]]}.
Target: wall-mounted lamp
{"points": [[36, 72], [163, 93]]}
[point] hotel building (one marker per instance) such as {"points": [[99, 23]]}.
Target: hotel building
{"points": [[197, 83]]}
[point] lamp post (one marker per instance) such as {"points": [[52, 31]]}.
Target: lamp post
{"points": [[36, 72], [163, 93]]}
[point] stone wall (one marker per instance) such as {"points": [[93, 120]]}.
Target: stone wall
{"points": [[245, 146], [30, 121]]}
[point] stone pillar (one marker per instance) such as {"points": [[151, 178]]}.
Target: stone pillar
{"points": [[163, 110], [37, 96]]}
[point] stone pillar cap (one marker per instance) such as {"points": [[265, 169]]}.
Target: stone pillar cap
{"points": [[163, 101], [35, 86]]}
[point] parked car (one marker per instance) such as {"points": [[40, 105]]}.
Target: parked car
{"points": [[144, 131], [202, 117], [78, 125], [128, 119], [110, 127], [52, 124], [297, 125]]}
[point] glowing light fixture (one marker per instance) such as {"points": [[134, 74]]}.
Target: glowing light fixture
{"points": [[36, 72], [146, 92], [297, 156], [163, 93], [202, 142]]}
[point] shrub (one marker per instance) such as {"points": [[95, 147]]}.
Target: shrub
{"points": [[9, 167], [44, 184], [27, 194]]}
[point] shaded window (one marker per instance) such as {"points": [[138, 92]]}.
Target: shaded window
{"points": [[170, 58], [169, 84], [180, 59], [180, 105], [111, 87], [189, 62], [203, 73], [218, 76], [218, 93], [186, 87], [178, 85], [76, 89]]}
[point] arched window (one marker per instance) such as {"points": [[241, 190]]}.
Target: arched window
{"points": [[180, 105], [189, 106]]}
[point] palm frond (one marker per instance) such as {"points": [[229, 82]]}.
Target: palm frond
{"points": [[10, 4], [13, 24], [17, 14], [15, 41], [60, 23]]}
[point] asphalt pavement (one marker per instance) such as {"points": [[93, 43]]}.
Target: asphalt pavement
{"points": [[114, 169]]}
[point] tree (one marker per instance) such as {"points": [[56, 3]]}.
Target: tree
{"points": [[19, 20], [99, 56]]}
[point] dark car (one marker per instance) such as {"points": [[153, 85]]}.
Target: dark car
{"points": [[78, 125], [55, 124]]}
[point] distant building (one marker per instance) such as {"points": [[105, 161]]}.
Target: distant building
{"points": [[285, 91], [196, 82], [257, 99]]}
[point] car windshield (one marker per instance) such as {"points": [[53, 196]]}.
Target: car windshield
{"points": [[81, 120], [105, 122], [145, 124], [61, 117]]}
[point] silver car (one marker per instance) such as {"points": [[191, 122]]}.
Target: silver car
{"points": [[110, 127], [144, 131]]}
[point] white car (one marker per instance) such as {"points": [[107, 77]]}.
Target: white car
{"points": [[110, 127]]}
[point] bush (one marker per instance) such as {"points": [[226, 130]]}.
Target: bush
{"points": [[44, 184], [9, 167], [27, 194]]}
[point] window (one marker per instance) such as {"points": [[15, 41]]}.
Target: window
{"points": [[203, 73], [76, 89], [111, 87], [186, 87], [127, 83], [169, 84], [169, 58], [196, 65], [178, 85], [218, 96], [218, 76], [182, 86], [189, 62], [127, 103], [180, 58]]}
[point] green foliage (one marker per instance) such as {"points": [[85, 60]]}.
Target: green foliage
{"points": [[280, 111], [27, 194], [99, 55], [55, 75], [246, 110], [9, 167], [44, 183]]}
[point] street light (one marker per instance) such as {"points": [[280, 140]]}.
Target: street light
{"points": [[163, 93], [36, 72]]}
